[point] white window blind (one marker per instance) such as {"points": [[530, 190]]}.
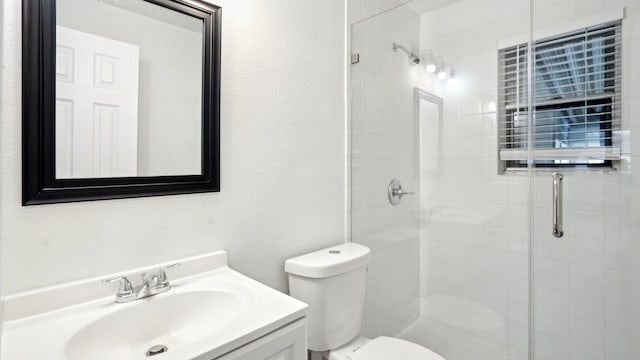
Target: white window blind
{"points": [[576, 99]]}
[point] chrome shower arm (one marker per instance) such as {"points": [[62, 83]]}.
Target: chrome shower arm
{"points": [[413, 58], [395, 46]]}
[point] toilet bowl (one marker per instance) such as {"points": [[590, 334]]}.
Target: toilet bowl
{"points": [[382, 348], [332, 282]]}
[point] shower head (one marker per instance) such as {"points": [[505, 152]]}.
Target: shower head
{"points": [[413, 58], [432, 63]]}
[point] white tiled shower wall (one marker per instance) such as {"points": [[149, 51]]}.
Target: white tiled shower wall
{"points": [[586, 287]]}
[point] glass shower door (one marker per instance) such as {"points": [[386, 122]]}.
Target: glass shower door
{"points": [[450, 262], [585, 232]]}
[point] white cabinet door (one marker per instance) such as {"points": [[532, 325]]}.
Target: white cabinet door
{"points": [[96, 106], [288, 343]]}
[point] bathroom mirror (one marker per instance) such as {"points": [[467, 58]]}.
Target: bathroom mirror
{"points": [[120, 99]]}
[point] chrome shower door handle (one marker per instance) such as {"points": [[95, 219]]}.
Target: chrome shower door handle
{"points": [[557, 205]]}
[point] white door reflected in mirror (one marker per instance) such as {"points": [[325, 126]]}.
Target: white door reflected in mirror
{"points": [[128, 90], [96, 106]]}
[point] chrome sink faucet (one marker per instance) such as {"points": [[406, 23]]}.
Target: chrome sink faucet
{"points": [[149, 286]]}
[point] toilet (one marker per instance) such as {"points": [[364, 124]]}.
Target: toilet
{"points": [[332, 282]]}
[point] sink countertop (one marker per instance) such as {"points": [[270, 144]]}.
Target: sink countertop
{"points": [[263, 310]]}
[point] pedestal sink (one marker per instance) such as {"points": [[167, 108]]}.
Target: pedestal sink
{"points": [[167, 322]]}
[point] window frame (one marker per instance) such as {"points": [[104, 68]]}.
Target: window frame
{"points": [[512, 74]]}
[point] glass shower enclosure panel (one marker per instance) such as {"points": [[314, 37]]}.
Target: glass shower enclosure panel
{"points": [[385, 147], [586, 141], [450, 258]]}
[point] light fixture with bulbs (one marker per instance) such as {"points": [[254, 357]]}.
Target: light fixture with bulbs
{"points": [[431, 63], [429, 60], [442, 71], [451, 74], [446, 72]]}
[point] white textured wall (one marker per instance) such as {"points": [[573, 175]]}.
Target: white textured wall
{"points": [[282, 162]]}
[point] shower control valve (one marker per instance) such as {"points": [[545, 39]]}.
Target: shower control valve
{"points": [[395, 192]]}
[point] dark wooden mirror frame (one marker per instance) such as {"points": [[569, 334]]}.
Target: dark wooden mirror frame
{"points": [[39, 184]]}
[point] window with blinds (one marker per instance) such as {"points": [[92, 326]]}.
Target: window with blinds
{"points": [[576, 100]]}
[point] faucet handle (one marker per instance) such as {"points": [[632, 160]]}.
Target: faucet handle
{"points": [[162, 274], [125, 287]]}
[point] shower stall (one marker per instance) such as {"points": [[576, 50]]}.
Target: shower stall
{"points": [[494, 146]]}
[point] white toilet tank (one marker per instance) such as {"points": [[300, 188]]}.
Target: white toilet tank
{"points": [[332, 282]]}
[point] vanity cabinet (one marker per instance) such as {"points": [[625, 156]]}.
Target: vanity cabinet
{"points": [[286, 343]]}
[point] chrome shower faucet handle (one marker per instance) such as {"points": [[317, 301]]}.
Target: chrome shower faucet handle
{"points": [[395, 192]]}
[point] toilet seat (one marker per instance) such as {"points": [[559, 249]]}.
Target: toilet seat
{"points": [[385, 348]]}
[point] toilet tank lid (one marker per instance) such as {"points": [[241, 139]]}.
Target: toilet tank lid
{"points": [[329, 262]]}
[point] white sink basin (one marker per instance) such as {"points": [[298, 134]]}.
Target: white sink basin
{"points": [[205, 315], [172, 320]]}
